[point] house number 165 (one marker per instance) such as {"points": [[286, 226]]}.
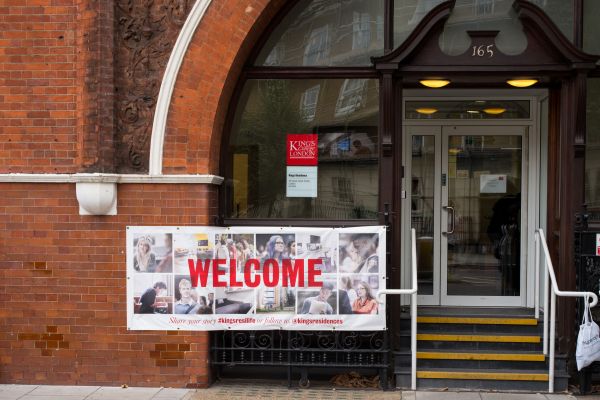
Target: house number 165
{"points": [[483, 50]]}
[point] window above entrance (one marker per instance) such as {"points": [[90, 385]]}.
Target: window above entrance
{"points": [[468, 109], [326, 33]]}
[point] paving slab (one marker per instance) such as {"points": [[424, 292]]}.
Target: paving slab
{"points": [[52, 397], [131, 393], [173, 394], [13, 392], [447, 395], [51, 390], [512, 396]]}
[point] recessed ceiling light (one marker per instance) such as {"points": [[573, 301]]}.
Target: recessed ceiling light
{"points": [[494, 110], [473, 111], [426, 110], [521, 83], [434, 83]]}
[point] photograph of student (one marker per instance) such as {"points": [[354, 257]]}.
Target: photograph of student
{"points": [[144, 259], [185, 302], [274, 246], [355, 252], [321, 302], [152, 294], [148, 303], [365, 303]]}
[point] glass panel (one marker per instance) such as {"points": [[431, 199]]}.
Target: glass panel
{"points": [[484, 188], [474, 15], [591, 26], [345, 115], [422, 198], [407, 15], [326, 33], [592, 153], [561, 13], [467, 109]]}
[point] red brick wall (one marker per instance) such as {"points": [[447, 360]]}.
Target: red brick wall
{"points": [[63, 280], [208, 75], [38, 86]]}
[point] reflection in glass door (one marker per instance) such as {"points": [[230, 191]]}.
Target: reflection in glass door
{"points": [[422, 207], [465, 190], [424, 196], [481, 199]]}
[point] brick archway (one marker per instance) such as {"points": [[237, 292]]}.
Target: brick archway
{"points": [[209, 72]]}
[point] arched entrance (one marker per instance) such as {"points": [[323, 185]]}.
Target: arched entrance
{"points": [[486, 157]]}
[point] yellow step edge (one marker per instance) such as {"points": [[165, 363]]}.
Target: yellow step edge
{"points": [[495, 376], [479, 356], [478, 338], [477, 320]]}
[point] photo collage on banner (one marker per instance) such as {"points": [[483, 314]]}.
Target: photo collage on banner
{"points": [[209, 278]]}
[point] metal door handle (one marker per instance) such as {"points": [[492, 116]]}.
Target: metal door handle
{"points": [[451, 212]]}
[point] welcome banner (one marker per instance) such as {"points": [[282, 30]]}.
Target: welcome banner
{"points": [[255, 278]]}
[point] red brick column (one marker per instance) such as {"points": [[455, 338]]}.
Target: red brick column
{"points": [[95, 85]]}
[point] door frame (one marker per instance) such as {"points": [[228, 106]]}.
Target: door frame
{"points": [[535, 174]]}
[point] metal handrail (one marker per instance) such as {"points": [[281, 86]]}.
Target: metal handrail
{"points": [[540, 238], [413, 308]]}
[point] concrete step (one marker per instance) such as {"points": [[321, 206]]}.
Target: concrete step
{"points": [[483, 325], [474, 360], [488, 379]]}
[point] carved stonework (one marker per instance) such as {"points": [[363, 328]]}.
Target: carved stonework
{"points": [[146, 33]]}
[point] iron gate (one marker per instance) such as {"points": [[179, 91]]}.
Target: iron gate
{"points": [[302, 350]]}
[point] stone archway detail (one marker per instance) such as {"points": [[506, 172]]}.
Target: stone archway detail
{"points": [[168, 84]]}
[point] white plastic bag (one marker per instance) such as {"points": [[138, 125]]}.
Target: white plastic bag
{"points": [[588, 340]]}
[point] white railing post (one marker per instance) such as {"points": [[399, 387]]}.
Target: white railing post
{"points": [[546, 304], [552, 344], [550, 279], [536, 261], [413, 311], [413, 308]]}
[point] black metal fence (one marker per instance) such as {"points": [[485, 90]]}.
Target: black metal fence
{"points": [[302, 350], [587, 267]]}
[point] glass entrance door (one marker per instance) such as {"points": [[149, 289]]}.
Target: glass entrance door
{"points": [[466, 193]]}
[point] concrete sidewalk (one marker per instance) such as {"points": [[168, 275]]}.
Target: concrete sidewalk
{"points": [[253, 390]]}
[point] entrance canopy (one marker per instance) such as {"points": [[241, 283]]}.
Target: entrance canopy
{"points": [[542, 51]]}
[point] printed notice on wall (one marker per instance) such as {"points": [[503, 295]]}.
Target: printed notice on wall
{"points": [[301, 182], [255, 278], [492, 183]]}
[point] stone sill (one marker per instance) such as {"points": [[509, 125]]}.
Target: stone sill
{"points": [[97, 193], [110, 178]]}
